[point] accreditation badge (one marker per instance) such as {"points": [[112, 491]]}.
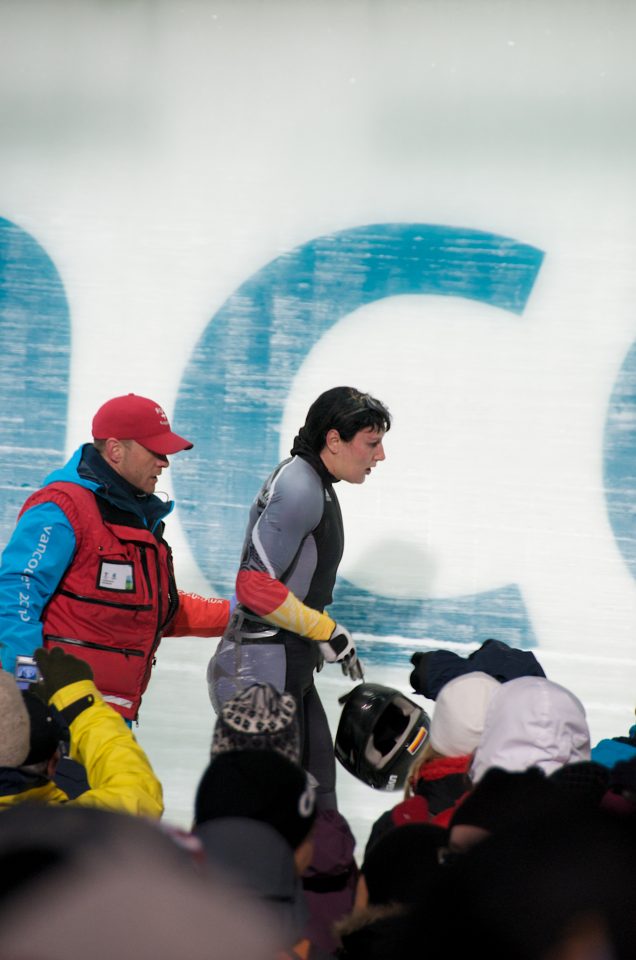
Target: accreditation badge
{"points": [[116, 575]]}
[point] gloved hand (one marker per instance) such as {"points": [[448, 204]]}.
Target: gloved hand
{"points": [[340, 648], [58, 669], [352, 667], [339, 644], [418, 678]]}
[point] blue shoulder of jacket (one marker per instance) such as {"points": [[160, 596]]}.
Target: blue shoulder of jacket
{"points": [[69, 473]]}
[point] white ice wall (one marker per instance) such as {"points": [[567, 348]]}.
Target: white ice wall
{"points": [[163, 154]]}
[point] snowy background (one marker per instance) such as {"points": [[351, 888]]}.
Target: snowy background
{"points": [[230, 206]]}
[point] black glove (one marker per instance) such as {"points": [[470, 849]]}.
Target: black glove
{"points": [[418, 678], [58, 669]]}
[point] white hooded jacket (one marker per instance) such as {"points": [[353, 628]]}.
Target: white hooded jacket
{"points": [[532, 722]]}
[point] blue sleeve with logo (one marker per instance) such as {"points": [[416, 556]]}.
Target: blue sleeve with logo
{"points": [[32, 565]]}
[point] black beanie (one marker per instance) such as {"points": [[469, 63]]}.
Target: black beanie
{"points": [[503, 798], [403, 862], [584, 781], [259, 784]]}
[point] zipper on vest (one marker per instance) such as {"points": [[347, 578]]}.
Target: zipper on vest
{"points": [[144, 566], [106, 603], [158, 633], [125, 651]]}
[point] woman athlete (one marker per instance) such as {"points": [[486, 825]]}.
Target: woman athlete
{"points": [[279, 632]]}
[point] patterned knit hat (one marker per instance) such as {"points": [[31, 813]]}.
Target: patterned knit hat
{"points": [[258, 718], [14, 723]]}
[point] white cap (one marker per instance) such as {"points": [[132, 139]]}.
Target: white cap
{"points": [[460, 712]]}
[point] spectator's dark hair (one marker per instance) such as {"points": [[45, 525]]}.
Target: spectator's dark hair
{"points": [[346, 410]]}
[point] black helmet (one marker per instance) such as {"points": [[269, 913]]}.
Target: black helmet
{"points": [[379, 733]]}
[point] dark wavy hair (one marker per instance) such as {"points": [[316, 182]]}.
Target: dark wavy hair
{"points": [[346, 410]]}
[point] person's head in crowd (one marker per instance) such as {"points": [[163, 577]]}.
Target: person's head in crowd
{"points": [[501, 799], [620, 796], [254, 817], [582, 782], [262, 718], [78, 882], [400, 867], [395, 878], [260, 785], [544, 887], [532, 721], [30, 732], [329, 882], [258, 718], [14, 723], [457, 722], [261, 866]]}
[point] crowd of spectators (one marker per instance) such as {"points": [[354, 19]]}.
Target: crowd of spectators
{"points": [[515, 836]]}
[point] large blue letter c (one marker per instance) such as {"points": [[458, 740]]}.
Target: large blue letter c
{"points": [[234, 389]]}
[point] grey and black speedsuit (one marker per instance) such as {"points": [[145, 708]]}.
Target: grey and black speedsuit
{"points": [[293, 546]]}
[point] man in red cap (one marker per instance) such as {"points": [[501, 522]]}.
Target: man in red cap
{"points": [[87, 568]]}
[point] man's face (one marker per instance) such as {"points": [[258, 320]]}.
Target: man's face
{"points": [[141, 467], [358, 456]]}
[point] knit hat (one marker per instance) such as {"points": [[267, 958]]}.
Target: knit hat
{"points": [[259, 784], [460, 711], [329, 882], [585, 781], [258, 718], [622, 778], [403, 863], [14, 723], [137, 418]]}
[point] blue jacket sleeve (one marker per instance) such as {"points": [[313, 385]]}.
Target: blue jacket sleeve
{"points": [[32, 565]]}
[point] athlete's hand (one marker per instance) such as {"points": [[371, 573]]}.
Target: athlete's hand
{"points": [[352, 667], [339, 644], [340, 648]]}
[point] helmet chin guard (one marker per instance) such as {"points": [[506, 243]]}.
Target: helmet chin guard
{"points": [[379, 733]]}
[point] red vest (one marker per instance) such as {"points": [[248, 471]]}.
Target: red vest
{"points": [[116, 598]]}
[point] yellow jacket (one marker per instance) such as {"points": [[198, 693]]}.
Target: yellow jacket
{"points": [[118, 771]]}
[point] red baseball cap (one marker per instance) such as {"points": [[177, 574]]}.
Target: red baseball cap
{"points": [[137, 418]]}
